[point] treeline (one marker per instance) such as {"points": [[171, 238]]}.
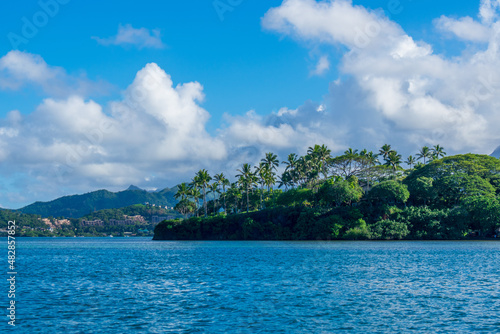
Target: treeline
{"points": [[357, 195]]}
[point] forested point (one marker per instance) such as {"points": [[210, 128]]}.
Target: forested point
{"points": [[356, 196]]}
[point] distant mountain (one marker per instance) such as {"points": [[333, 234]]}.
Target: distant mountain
{"points": [[132, 187], [496, 153], [77, 206]]}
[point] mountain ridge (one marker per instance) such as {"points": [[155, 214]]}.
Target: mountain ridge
{"points": [[496, 153], [77, 206]]}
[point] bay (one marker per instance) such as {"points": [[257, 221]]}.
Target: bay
{"points": [[122, 285]]}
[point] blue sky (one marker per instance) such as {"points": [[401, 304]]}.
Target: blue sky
{"points": [[273, 76]]}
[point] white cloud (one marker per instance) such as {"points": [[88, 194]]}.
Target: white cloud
{"points": [[412, 95], [338, 22], [488, 10], [322, 66], [130, 36], [19, 69], [284, 132], [157, 131], [468, 29], [464, 28]]}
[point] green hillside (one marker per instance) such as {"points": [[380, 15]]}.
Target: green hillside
{"points": [[77, 206]]}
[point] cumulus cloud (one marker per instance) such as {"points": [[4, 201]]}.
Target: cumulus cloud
{"points": [[130, 36], [156, 132], [19, 69], [415, 96], [282, 132], [488, 10]]}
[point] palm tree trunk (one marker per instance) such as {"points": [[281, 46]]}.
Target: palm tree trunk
{"points": [[205, 200], [261, 192], [248, 200]]}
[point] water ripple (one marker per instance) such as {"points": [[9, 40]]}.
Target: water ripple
{"points": [[137, 285]]}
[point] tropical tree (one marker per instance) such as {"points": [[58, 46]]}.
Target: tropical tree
{"points": [[393, 160], [483, 213], [368, 162], [291, 165], [389, 192], [182, 191], [234, 197], [424, 153], [184, 207], [460, 176], [410, 161], [271, 161], [337, 191], [262, 171], [214, 189], [285, 180], [421, 189], [320, 155], [247, 179], [222, 182], [202, 179], [385, 150], [438, 152], [195, 194]]}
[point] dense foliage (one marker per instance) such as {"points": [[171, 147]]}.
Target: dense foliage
{"points": [[77, 206], [354, 196]]}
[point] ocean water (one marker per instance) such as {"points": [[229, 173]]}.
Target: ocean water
{"points": [[135, 285]]}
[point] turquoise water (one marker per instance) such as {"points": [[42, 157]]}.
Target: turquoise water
{"points": [[122, 285]]}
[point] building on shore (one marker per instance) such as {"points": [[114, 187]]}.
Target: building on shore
{"points": [[96, 222]]}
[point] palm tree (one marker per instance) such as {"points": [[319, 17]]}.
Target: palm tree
{"points": [[285, 180], [371, 159], [195, 193], [247, 179], [291, 164], [182, 191], [222, 182], [271, 160], [425, 153], [411, 161], [234, 192], [324, 155], [319, 156], [438, 151], [202, 179], [291, 161], [214, 189], [393, 160], [385, 150], [262, 170]]}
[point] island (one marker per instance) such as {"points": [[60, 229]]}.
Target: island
{"points": [[354, 196]]}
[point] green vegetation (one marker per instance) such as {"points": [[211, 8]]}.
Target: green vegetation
{"points": [[354, 196], [77, 206], [135, 220]]}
